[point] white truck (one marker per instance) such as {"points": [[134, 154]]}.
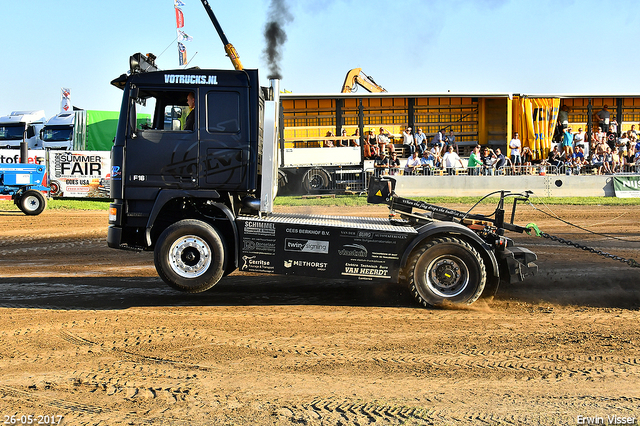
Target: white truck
{"points": [[64, 131], [14, 126]]}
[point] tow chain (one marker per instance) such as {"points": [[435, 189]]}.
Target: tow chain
{"points": [[538, 233]]}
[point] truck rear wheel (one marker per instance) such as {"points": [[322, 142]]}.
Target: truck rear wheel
{"points": [[32, 202], [315, 180], [446, 270], [190, 256]]}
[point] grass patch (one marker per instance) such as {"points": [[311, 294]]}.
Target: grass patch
{"points": [[63, 204], [355, 201]]}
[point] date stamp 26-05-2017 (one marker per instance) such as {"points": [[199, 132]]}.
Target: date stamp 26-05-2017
{"points": [[32, 419]]}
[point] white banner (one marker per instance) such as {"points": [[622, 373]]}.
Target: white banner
{"points": [[79, 174]]}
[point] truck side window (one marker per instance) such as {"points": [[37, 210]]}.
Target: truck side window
{"points": [[164, 110], [223, 112]]}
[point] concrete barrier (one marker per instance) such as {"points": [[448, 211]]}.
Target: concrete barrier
{"points": [[474, 186]]}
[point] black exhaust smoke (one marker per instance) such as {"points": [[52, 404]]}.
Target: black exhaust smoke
{"points": [[275, 36]]}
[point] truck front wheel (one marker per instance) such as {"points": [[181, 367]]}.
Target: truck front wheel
{"points": [[446, 270], [32, 202], [190, 256]]}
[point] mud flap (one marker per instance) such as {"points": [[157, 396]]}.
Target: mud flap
{"points": [[516, 264], [380, 189]]}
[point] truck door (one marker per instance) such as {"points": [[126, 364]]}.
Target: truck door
{"points": [[162, 155], [224, 138]]}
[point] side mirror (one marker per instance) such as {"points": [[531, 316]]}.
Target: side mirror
{"points": [[31, 132]]}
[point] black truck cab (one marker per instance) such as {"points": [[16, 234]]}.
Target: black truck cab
{"points": [[156, 166]]}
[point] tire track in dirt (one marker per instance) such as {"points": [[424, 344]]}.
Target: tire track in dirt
{"points": [[510, 361], [34, 398], [333, 410], [48, 246], [129, 379]]}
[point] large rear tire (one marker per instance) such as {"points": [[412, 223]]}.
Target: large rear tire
{"points": [[315, 180], [32, 202], [446, 270], [190, 256]]}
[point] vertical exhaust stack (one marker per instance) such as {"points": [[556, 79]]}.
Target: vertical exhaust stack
{"points": [[269, 183], [24, 147]]}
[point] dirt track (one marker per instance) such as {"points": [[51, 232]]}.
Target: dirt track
{"points": [[92, 334]]}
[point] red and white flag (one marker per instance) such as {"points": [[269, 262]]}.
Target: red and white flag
{"points": [[179, 18]]}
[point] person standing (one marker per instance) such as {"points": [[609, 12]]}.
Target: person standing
{"points": [[450, 160], [407, 140], [474, 162], [515, 145], [578, 138], [604, 116], [567, 143]]}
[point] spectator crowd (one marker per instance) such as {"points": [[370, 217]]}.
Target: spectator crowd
{"points": [[606, 151]]}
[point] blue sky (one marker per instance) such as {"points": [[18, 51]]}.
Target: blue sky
{"points": [[408, 46]]}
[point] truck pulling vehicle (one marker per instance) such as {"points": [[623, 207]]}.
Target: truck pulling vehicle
{"points": [[202, 200]]}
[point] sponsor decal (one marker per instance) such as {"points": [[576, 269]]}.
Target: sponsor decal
{"points": [[353, 250], [366, 271], [259, 228], [307, 231], [306, 246], [190, 79], [259, 246], [252, 263], [116, 173], [319, 266]]}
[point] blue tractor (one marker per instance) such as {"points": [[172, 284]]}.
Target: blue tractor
{"points": [[25, 183]]}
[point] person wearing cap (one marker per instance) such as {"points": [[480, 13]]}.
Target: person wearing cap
{"points": [[427, 162], [381, 164]]}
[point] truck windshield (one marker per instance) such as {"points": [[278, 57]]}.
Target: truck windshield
{"points": [[57, 133], [10, 132]]}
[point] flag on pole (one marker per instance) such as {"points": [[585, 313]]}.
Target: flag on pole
{"points": [[182, 36], [65, 102], [182, 52], [179, 18]]}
